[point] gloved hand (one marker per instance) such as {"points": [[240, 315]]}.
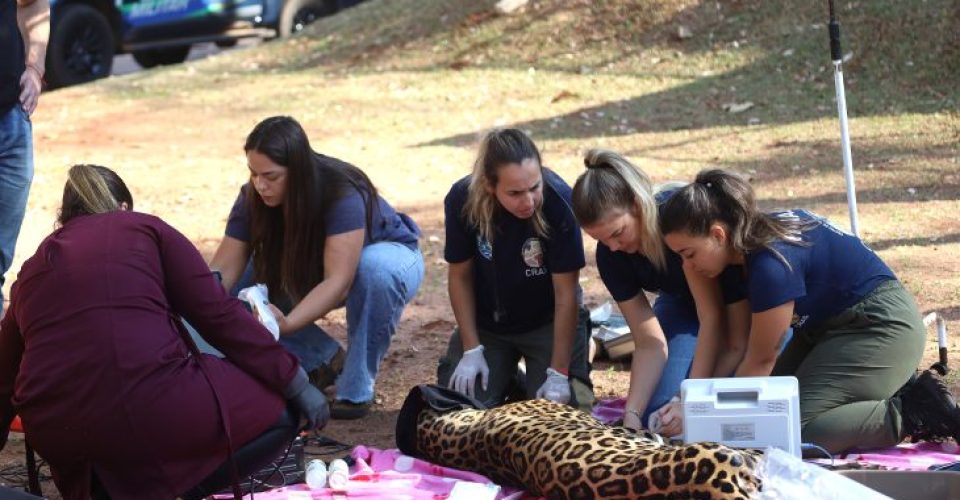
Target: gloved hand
{"points": [[556, 388], [311, 402], [471, 364]]}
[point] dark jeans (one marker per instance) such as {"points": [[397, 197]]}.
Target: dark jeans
{"points": [[503, 352], [850, 366]]}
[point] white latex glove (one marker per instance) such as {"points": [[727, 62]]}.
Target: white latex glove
{"points": [[471, 364], [556, 388]]}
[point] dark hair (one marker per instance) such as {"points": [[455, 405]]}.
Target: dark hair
{"points": [[499, 147], [288, 240], [726, 197], [92, 189]]}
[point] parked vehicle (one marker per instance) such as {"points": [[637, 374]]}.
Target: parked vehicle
{"points": [[86, 34]]}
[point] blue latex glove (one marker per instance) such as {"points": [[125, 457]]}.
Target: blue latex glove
{"points": [[556, 388], [309, 400]]}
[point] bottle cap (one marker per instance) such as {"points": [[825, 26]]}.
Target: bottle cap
{"points": [[403, 463]]}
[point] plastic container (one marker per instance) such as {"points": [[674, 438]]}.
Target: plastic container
{"points": [[909, 484], [316, 475], [785, 476], [338, 474]]}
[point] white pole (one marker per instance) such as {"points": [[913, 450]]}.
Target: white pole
{"points": [[837, 56], [845, 146]]}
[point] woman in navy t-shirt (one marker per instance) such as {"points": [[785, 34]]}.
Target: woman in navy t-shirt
{"points": [[515, 254], [318, 234], [858, 335], [615, 203]]}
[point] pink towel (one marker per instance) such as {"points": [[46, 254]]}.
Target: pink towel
{"points": [[609, 411], [374, 475], [905, 456]]}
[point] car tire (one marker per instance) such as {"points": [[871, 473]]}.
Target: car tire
{"points": [[161, 57], [297, 14], [81, 47]]}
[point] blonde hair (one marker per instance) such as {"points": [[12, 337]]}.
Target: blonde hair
{"points": [[92, 189], [499, 147], [612, 184]]}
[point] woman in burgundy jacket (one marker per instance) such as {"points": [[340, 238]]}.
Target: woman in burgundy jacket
{"points": [[110, 391]]}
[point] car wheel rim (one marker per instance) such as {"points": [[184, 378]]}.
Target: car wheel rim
{"points": [[85, 55], [303, 17]]}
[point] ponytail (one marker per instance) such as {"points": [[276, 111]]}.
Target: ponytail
{"points": [[726, 197], [499, 147], [92, 189], [610, 185]]}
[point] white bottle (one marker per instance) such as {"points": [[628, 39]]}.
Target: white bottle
{"points": [[316, 474], [339, 474]]}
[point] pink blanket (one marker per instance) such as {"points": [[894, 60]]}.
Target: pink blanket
{"points": [[375, 475], [905, 456]]}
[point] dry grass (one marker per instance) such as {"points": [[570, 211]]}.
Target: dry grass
{"points": [[402, 88]]}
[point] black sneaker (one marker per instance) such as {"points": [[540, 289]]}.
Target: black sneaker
{"points": [[342, 409], [326, 374], [929, 411]]}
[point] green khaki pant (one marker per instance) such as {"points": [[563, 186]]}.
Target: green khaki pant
{"points": [[850, 366], [503, 351]]}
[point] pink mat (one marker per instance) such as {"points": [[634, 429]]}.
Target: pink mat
{"points": [[374, 475], [905, 456]]}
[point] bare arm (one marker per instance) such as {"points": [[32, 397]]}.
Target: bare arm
{"points": [[33, 19], [738, 333], [710, 313], [564, 318], [649, 354], [462, 301], [766, 330], [341, 256], [230, 259]]}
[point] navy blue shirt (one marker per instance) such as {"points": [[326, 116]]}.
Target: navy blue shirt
{"points": [[831, 271], [346, 214], [626, 274], [512, 285], [11, 55]]}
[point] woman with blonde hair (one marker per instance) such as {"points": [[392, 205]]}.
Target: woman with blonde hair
{"points": [[617, 204], [110, 388], [515, 254]]}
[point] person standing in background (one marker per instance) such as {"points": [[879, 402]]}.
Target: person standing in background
{"points": [[24, 29]]}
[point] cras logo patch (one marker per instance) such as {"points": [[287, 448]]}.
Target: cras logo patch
{"points": [[532, 252], [484, 247], [797, 321]]}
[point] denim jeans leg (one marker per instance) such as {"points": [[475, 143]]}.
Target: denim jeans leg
{"points": [[678, 319], [388, 277], [16, 174], [310, 344]]}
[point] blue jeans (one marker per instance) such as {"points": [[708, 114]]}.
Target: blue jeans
{"points": [[16, 174], [678, 319], [387, 279]]}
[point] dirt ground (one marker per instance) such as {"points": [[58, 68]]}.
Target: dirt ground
{"points": [[405, 96]]}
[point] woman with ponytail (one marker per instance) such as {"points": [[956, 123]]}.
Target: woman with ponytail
{"points": [[515, 254], [857, 333], [111, 391], [617, 205]]}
